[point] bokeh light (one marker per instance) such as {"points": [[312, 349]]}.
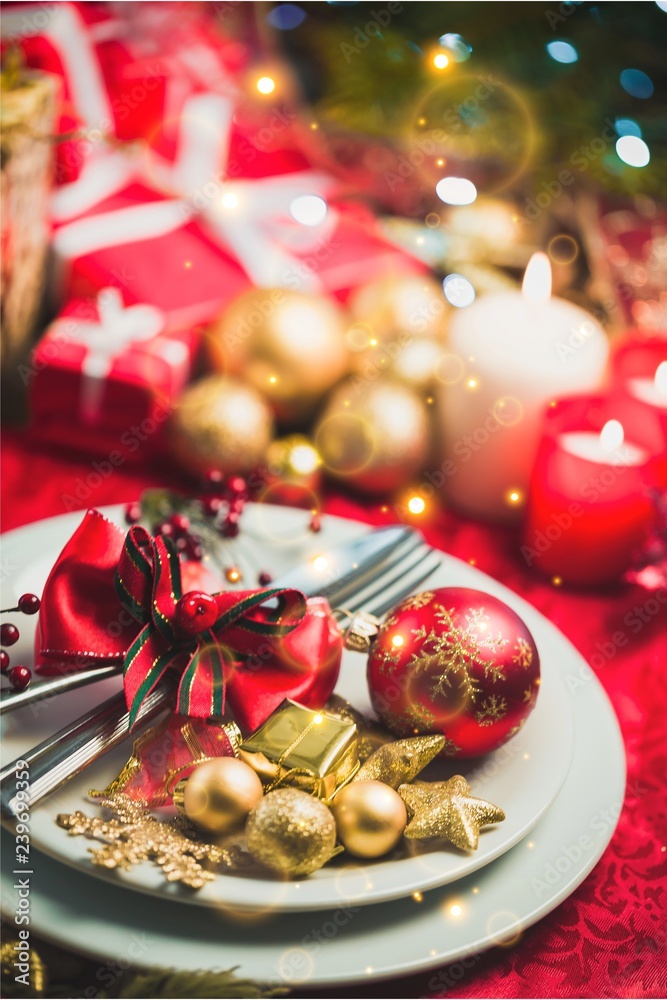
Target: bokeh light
{"points": [[266, 85], [286, 16], [416, 505], [308, 209], [637, 83], [627, 126], [562, 52], [633, 151], [459, 292], [457, 48], [456, 191]]}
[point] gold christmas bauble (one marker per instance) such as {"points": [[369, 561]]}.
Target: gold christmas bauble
{"points": [[221, 423], [416, 363], [289, 346], [291, 832], [374, 436], [410, 304], [219, 794], [370, 818]]}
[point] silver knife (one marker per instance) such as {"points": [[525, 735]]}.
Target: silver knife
{"points": [[373, 572]]}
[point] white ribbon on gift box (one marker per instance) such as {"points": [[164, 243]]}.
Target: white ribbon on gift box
{"points": [[118, 328]]}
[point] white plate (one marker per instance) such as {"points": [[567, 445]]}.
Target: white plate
{"points": [[348, 945], [523, 777]]}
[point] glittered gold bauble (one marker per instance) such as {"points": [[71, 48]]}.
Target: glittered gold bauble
{"points": [[291, 832], [402, 304], [221, 423], [374, 435], [292, 472], [370, 818], [289, 346], [219, 794]]}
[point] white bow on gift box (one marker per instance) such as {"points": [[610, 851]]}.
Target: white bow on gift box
{"points": [[118, 328]]}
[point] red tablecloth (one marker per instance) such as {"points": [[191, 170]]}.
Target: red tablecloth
{"points": [[609, 939]]}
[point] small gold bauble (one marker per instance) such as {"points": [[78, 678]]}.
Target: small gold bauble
{"points": [[291, 832], [374, 436], [221, 423], [220, 793], [289, 346], [402, 304], [416, 363], [370, 818]]}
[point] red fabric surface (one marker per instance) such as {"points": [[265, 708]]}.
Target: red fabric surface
{"points": [[609, 939]]}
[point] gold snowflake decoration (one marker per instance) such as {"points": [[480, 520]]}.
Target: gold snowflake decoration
{"points": [[417, 601], [491, 709], [131, 835], [527, 695], [454, 649], [523, 653]]}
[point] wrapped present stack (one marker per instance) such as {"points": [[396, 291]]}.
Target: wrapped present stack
{"points": [[27, 112], [184, 184]]}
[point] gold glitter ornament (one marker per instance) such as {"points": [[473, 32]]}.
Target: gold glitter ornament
{"points": [[399, 762], [131, 836], [289, 346], [220, 423], [446, 809], [219, 794], [400, 304], [370, 818], [374, 435], [291, 832]]}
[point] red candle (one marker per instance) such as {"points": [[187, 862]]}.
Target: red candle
{"points": [[590, 508], [640, 380]]}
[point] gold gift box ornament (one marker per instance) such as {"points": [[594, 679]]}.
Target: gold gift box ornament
{"points": [[312, 750]]}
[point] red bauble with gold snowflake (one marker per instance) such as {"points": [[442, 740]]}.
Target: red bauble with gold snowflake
{"points": [[454, 661]]}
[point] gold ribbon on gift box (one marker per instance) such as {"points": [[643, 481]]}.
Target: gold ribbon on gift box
{"points": [[312, 750]]}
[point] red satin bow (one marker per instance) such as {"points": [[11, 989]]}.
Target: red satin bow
{"points": [[115, 599]]}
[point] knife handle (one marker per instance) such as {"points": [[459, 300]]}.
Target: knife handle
{"points": [[67, 753]]}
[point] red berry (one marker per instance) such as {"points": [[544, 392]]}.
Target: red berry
{"points": [[212, 505], [196, 612], [214, 479], [236, 486], [9, 634], [19, 678], [315, 524], [133, 513], [236, 505], [180, 523], [166, 529], [181, 544], [29, 604], [230, 526], [4, 661], [194, 548], [264, 579]]}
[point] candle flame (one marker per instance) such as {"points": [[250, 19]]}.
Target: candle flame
{"points": [[611, 436], [537, 279], [661, 378]]}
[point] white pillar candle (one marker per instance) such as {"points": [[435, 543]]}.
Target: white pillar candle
{"points": [[514, 352], [652, 391], [605, 448]]}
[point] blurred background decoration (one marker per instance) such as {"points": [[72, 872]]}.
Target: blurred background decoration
{"points": [[273, 219]]}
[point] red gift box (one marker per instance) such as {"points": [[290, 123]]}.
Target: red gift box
{"points": [[105, 376]]}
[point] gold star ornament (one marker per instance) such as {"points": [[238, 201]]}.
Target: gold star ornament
{"points": [[447, 809], [401, 761]]}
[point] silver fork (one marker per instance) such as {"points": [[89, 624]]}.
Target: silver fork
{"points": [[376, 588]]}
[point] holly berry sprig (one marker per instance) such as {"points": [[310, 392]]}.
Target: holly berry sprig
{"points": [[19, 676], [198, 525]]}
